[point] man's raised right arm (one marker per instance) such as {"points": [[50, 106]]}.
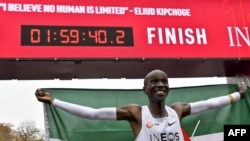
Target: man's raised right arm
{"points": [[108, 113]]}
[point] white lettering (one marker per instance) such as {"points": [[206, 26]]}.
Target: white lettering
{"points": [[201, 36], [49, 8], [173, 12], [144, 11], [177, 36], [90, 10], [180, 35], [231, 132], [170, 36], [15, 7], [235, 132], [239, 35], [160, 36], [150, 34], [3, 5], [110, 10], [229, 29], [243, 131], [70, 9], [189, 36]]}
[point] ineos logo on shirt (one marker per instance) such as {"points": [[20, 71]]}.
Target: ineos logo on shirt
{"points": [[165, 136]]}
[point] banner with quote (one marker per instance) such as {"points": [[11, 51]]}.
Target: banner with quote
{"points": [[124, 29], [205, 126]]}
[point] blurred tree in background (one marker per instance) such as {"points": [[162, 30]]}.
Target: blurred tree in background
{"points": [[26, 131], [6, 133]]}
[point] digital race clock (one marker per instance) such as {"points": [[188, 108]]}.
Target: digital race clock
{"points": [[34, 35]]}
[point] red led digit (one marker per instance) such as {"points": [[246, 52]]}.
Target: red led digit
{"points": [[91, 35], [64, 35], [35, 36], [102, 36], [119, 38], [74, 34], [48, 36]]}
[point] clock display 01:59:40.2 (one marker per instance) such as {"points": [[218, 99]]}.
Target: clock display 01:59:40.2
{"points": [[34, 35]]}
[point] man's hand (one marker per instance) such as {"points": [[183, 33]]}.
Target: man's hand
{"points": [[44, 96], [242, 89]]}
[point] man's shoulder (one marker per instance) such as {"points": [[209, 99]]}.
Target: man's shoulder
{"points": [[132, 107]]}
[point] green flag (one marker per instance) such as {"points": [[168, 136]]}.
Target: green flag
{"points": [[62, 126]]}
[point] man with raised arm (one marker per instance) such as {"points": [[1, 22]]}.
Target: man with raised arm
{"points": [[141, 118]]}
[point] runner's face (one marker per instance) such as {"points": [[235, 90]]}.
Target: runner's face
{"points": [[156, 86]]}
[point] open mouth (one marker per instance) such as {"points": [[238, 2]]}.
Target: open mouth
{"points": [[160, 92]]}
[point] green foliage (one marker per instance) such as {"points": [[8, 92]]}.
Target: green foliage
{"points": [[27, 131]]}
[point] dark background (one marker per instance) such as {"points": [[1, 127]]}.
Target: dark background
{"points": [[66, 69]]}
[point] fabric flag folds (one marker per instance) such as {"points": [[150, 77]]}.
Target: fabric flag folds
{"points": [[205, 126]]}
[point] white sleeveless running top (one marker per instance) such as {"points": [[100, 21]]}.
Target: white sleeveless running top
{"points": [[160, 129]]}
